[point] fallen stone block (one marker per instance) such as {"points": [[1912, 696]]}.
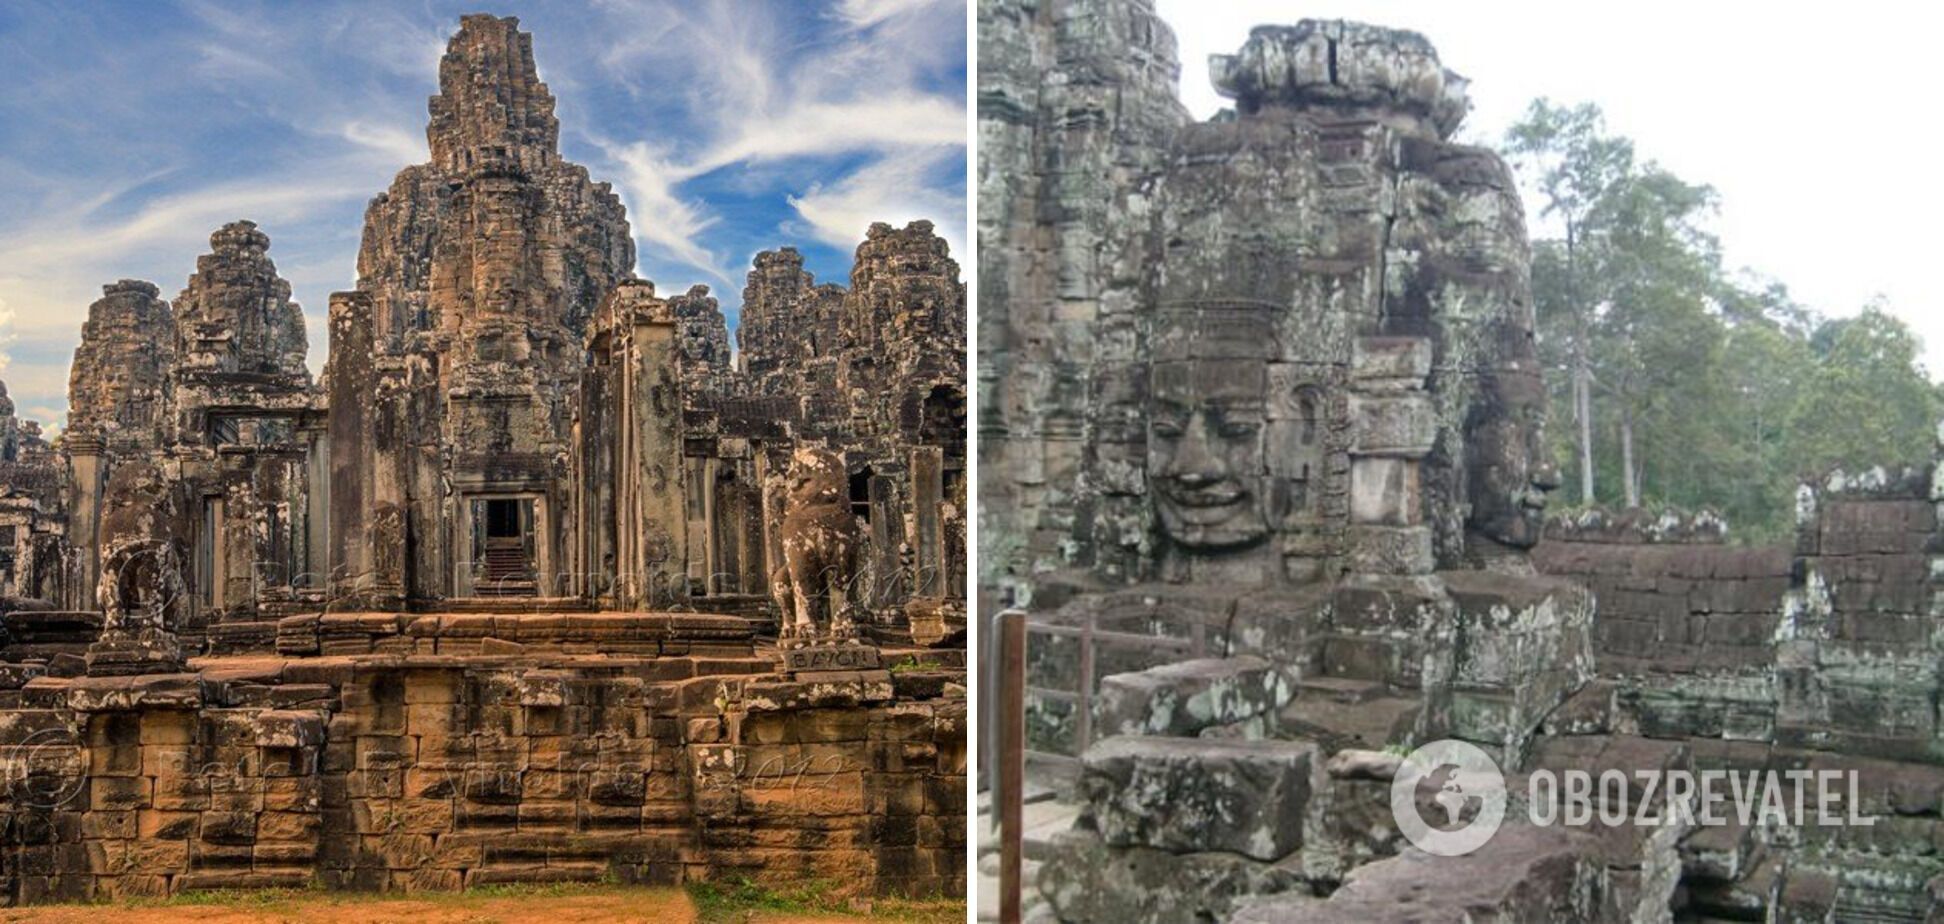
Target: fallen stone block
{"points": [[1085, 879], [1523, 874], [1192, 794], [1182, 699]]}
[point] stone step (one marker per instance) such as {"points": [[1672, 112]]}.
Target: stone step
{"points": [[1030, 899], [1335, 724], [592, 871], [1044, 819], [1035, 792], [1185, 697], [1043, 822], [1347, 690]]}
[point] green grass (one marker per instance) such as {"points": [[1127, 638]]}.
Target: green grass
{"points": [[737, 900], [911, 663]]}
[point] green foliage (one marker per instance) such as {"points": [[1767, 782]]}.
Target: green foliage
{"points": [[1729, 391], [911, 663], [1868, 401]]}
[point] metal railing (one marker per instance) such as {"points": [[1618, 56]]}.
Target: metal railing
{"points": [[1089, 637]]}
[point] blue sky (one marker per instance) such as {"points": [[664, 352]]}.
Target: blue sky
{"points": [[131, 130]]}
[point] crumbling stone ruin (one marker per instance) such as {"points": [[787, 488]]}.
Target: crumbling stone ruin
{"points": [[877, 367], [1262, 434], [33, 563], [488, 601]]}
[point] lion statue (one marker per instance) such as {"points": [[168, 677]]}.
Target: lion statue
{"points": [[140, 590], [822, 549]]}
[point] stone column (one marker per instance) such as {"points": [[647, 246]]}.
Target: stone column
{"points": [[657, 406], [349, 437], [927, 518], [86, 479], [1392, 429], [317, 513], [887, 535]]}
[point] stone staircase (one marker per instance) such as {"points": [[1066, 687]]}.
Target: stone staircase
{"points": [[508, 572]]}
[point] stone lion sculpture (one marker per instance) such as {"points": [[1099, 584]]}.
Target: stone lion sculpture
{"points": [[140, 588], [822, 548]]}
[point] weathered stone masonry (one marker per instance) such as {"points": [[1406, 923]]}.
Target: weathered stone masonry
{"points": [[1264, 419], [436, 771], [491, 601], [1820, 656]]}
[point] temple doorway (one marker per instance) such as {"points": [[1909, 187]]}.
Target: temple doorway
{"points": [[503, 547]]}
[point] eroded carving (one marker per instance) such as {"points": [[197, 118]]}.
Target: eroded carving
{"points": [[821, 548]]}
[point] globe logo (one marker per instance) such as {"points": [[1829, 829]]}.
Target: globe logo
{"points": [[1448, 798]]}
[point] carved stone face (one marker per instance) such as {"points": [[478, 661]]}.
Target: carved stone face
{"points": [[1205, 451], [816, 478], [136, 503], [1509, 467]]}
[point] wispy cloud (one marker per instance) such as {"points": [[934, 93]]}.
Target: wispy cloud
{"points": [[863, 14], [135, 131], [839, 107], [895, 190], [663, 220], [398, 144]]}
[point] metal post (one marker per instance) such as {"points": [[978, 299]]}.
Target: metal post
{"points": [[1083, 707], [1012, 761]]}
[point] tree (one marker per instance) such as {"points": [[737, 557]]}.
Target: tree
{"points": [[1711, 389], [1575, 164], [1869, 400], [1654, 333]]}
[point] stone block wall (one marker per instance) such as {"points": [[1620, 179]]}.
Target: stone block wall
{"points": [[1671, 594], [436, 773], [1819, 656]]}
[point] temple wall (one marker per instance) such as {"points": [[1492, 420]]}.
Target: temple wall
{"points": [[1820, 656], [446, 773], [1671, 599]]}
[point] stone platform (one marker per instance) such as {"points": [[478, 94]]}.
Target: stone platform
{"points": [[461, 750]]}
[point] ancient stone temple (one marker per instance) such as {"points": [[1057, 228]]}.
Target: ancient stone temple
{"points": [[34, 559], [507, 594], [876, 369], [455, 357], [1327, 410], [1264, 439], [1269, 427]]}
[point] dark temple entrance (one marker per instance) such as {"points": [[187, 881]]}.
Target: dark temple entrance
{"points": [[503, 550]]}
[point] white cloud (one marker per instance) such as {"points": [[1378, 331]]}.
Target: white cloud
{"points": [[661, 218], [767, 96], [180, 222], [879, 123], [397, 144], [895, 190], [863, 14]]}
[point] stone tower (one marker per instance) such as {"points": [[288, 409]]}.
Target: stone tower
{"points": [[116, 385], [788, 320], [236, 316], [118, 396], [454, 363], [1062, 164], [245, 437]]}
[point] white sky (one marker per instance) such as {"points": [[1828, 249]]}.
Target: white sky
{"points": [[1820, 133]]}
